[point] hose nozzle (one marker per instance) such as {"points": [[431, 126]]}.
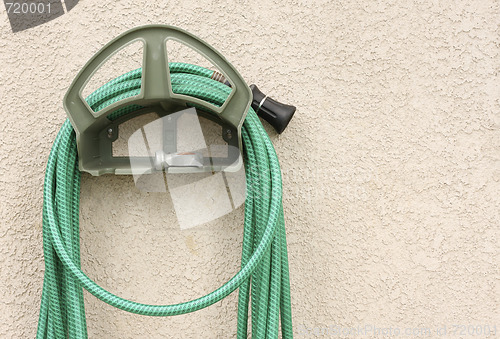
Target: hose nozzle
{"points": [[274, 112]]}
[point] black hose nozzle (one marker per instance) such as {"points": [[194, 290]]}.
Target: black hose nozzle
{"points": [[274, 112]]}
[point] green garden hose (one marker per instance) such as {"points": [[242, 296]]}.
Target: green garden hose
{"points": [[264, 265]]}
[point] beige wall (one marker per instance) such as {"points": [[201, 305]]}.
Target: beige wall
{"points": [[391, 166]]}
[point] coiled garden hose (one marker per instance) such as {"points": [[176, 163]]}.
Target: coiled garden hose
{"points": [[264, 264]]}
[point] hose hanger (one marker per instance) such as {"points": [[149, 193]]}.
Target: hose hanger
{"points": [[95, 131], [174, 92]]}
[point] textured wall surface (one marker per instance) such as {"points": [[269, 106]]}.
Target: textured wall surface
{"points": [[391, 166]]}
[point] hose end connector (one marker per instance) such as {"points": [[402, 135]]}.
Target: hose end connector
{"points": [[274, 112]]}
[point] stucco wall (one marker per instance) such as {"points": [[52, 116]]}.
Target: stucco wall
{"points": [[391, 166]]}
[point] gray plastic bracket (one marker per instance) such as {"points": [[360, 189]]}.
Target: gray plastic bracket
{"points": [[94, 144]]}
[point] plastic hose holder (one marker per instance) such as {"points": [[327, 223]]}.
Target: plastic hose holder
{"points": [[92, 128]]}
